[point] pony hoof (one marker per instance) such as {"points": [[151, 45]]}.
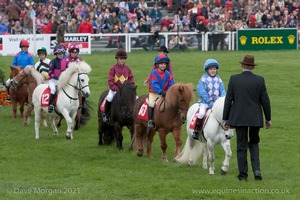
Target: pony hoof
{"points": [[68, 137], [211, 172], [223, 172], [139, 154], [191, 163]]}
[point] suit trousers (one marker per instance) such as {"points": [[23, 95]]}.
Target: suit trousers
{"points": [[243, 144]]}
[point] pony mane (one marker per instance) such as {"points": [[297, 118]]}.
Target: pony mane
{"points": [[126, 90], [185, 90], [38, 77], [73, 67], [218, 107], [15, 71]]}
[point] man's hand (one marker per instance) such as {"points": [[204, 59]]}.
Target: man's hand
{"points": [[225, 126]]}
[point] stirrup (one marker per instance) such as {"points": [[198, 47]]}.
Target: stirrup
{"points": [[105, 118], [195, 135], [151, 124], [50, 108], [7, 100]]}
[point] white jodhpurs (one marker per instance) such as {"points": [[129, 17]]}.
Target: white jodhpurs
{"points": [[110, 95], [7, 83], [202, 110], [52, 85]]}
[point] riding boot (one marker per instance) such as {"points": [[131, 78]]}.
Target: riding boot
{"points": [[51, 106], [197, 129], [83, 105], [106, 111], [151, 124]]}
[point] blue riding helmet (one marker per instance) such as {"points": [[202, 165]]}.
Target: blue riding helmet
{"points": [[161, 58], [59, 49], [211, 63]]}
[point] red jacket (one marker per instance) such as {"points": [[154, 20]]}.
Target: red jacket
{"points": [[85, 28], [117, 75]]}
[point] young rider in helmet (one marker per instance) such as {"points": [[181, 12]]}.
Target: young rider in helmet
{"points": [[42, 65], [165, 51], [22, 59], [73, 54], [73, 57], [57, 65], [209, 89], [160, 81], [117, 75]]}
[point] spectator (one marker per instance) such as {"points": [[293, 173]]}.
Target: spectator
{"points": [[156, 15], [131, 26], [17, 28], [60, 32], [142, 4], [72, 26], [27, 27], [115, 8], [200, 28], [85, 27], [133, 4], [123, 16], [112, 21], [13, 11], [132, 14], [166, 22], [97, 24], [78, 9], [124, 4], [3, 27], [40, 22]]}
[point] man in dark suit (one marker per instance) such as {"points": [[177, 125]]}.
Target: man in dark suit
{"points": [[246, 97]]}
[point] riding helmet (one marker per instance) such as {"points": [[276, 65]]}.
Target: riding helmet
{"points": [[59, 49], [121, 53], [211, 63], [161, 58], [42, 50], [73, 48], [24, 43]]}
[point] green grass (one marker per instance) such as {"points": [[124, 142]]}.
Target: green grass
{"points": [[56, 168]]}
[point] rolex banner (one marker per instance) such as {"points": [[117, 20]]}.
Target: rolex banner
{"points": [[267, 39]]}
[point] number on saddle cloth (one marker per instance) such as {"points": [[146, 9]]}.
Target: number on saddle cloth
{"points": [[143, 112], [45, 97], [194, 118]]}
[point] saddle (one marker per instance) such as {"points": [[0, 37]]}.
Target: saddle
{"points": [[45, 97], [143, 111], [194, 118]]}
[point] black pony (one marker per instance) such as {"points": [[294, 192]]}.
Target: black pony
{"points": [[121, 114]]}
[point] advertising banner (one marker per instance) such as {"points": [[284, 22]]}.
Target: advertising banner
{"points": [[267, 39], [10, 44]]}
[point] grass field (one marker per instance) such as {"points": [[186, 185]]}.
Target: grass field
{"points": [[56, 168]]}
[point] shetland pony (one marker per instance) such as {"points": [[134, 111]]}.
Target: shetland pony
{"points": [[74, 79], [19, 94], [32, 78], [213, 133], [121, 114], [169, 115]]}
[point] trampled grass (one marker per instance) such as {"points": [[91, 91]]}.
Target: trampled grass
{"points": [[56, 168]]}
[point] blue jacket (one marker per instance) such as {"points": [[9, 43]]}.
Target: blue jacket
{"points": [[209, 89], [23, 59], [160, 81]]}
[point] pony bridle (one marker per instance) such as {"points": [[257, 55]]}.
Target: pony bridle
{"points": [[79, 88], [17, 83]]}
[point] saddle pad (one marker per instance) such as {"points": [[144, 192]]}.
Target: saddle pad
{"points": [[46, 97], [143, 112], [193, 121], [102, 106]]}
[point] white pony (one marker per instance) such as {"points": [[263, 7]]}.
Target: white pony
{"points": [[75, 78], [213, 133]]}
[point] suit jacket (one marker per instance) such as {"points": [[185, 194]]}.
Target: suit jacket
{"points": [[246, 97]]}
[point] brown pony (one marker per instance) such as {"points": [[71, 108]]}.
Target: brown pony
{"points": [[19, 94], [32, 78], [169, 115]]}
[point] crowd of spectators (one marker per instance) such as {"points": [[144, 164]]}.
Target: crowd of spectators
{"points": [[100, 16]]}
